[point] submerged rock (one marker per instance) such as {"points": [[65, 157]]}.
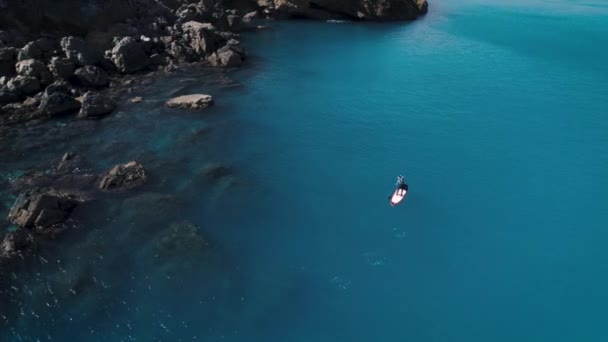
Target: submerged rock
{"points": [[95, 105], [194, 101], [215, 171], [125, 176], [179, 240], [41, 210]]}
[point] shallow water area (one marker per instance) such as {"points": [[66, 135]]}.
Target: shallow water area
{"points": [[494, 113]]}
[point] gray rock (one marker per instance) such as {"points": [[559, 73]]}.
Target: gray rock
{"points": [[23, 85], [194, 101], [76, 50], [129, 56], [41, 209], [92, 76], [181, 52], [95, 105], [62, 68], [124, 176], [34, 68]]}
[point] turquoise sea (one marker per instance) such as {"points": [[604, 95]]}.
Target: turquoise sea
{"points": [[496, 113]]}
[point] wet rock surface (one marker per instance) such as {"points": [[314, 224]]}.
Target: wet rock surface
{"points": [[41, 209], [194, 101], [122, 177], [95, 105]]}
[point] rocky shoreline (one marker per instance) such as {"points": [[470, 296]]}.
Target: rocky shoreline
{"points": [[75, 59]]}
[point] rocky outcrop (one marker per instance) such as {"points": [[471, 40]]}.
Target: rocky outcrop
{"points": [[41, 210], [124, 176], [195, 101], [129, 56], [200, 36], [95, 105], [345, 9]]}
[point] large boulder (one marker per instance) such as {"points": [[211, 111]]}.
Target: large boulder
{"points": [[34, 68], [23, 85], [77, 51], [92, 76], [95, 105], [200, 36], [62, 68], [129, 56], [58, 103], [194, 101], [41, 210], [124, 176], [352, 9]]}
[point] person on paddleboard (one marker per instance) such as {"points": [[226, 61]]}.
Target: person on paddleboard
{"points": [[400, 192]]}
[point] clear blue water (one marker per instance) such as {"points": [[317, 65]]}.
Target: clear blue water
{"points": [[496, 114]]}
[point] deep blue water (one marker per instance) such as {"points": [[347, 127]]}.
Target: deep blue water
{"points": [[495, 113]]}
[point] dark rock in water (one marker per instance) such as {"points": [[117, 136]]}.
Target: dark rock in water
{"points": [[124, 176], [57, 104], [23, 85], [129, 56], [34, 68], [95, 105], [215, 172], [62, 68], [92, 76], [41, 210], [8, 58], [15, 243], [6, 97], [200, 36], [194, 101], [77, 51]]}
